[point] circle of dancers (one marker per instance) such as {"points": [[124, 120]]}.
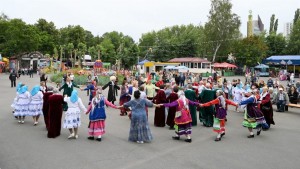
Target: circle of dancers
{"points": [[175, 105]]}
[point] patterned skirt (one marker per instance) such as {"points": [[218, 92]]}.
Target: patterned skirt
{"points": [[219, 125], [35, 109], [183, 129], [97, 128], [20, 109], [72, 118], [140, 130]]}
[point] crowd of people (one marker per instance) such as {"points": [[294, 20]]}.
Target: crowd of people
{"points": [[176, 97]]}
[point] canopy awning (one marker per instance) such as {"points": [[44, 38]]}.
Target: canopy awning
{"points": [[169, 67], [224, 65], [261, 66], [181, 68]]}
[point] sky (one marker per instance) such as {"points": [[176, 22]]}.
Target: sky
{"points": [[135, 17]]}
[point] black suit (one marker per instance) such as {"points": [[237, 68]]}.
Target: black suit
{"points": [[111, 91], [13, 78]]}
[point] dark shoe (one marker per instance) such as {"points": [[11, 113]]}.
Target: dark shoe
{"points": [[251, 136], [258, 132], [175, 137], [171, 128], [98, 139], [90, 138], [188, 140], [223, 134], [218, 139]]}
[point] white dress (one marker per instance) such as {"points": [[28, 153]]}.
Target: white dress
{"points": [[35, 107], [72, 115], [21, 104]]}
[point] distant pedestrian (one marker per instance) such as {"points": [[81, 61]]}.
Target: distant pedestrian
{"points": [[13, 78]]}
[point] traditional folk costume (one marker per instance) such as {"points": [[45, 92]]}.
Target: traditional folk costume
{"points": [[22, 103], [124, 98], [20, 84], [111, 90], [72, 115], [219, 118], [35, 107], [139, 127], [150, 91], [46, 106], [159, 116], [191, 95], [267, 108], [68, 88], [206, 113], [97, 116], [253, 117], [172, 110], [183, 119], [92, 88], [55, 111]]}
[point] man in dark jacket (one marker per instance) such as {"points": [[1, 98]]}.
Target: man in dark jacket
{"points": [[13, 78], [111, 90]]}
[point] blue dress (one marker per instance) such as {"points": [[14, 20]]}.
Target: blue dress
{"points": [[139, 127]]}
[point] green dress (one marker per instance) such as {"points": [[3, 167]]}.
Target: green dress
{"points": [[206, 113], [67, 91], [191, 95]]}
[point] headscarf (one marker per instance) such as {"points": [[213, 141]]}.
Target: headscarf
{"points": [[19, 86], [23, 89], [181, 96], [74, 96], [35, 90]]}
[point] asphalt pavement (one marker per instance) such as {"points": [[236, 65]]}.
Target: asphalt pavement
{"points": [[24, 146]]}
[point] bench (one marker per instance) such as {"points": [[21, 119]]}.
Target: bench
{"points": [[294, 105]]}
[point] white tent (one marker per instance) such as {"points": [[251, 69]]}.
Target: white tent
{"points": [[170, 67]]}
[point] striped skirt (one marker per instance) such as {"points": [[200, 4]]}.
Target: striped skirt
{"points": [[97, 128], [183, 129]]}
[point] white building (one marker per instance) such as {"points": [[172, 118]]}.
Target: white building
{"points": [[287, 29]]}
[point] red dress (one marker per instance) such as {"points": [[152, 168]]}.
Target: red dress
{"points": [[54, 114], [159, 116], [46, 108], [172, 110]]}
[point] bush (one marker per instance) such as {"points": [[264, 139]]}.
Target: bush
{"points": [[82, 79]]}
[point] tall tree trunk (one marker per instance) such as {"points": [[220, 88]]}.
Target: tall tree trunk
{"points": [[71, 58], [75, 55], [215, 53]]}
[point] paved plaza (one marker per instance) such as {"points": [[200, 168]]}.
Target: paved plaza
{"points": [[24, 146]]}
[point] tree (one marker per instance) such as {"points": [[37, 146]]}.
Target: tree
{"points": [[272, 21], [98, 48], [70, 48], [296, 16], [250, 50], [294, 40], [222, 25], [276, 44], [93, 52], [81, 52], [48, 35]]}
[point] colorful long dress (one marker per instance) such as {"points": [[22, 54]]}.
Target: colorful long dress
{"points": [[268, 113], [22, 103], [221, 113], [172, 110], [253, 117], [183, 119], [97, 116], [124, 98], [139, 127], [191, 95]]}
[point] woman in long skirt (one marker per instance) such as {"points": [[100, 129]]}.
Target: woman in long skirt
{"points": [[124, 97], [35, 108], [266, 106], [98, 115], [183, 119], [253, 117], [72, 116], [22, 103], [139, 127], [219, 118]]}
